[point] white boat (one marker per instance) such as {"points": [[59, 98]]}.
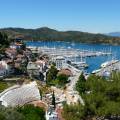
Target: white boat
{"points": [[108, 63], [80, 64], [96, 71]]}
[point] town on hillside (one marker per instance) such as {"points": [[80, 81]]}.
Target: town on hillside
{"points": [[33, 78]]}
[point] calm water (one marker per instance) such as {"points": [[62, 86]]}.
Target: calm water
{"points": [[94, 62]]}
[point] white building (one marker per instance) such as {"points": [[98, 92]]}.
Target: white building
{"points": [[5, 69], [60, 62], [41, 65]]}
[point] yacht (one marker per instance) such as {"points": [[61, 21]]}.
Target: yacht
{"points": [[80, 64], [96, 71]]}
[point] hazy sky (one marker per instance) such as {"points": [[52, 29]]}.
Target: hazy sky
{"points": [[83, 15]]}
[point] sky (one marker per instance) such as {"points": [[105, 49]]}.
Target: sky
{"points": [[96, 16]]}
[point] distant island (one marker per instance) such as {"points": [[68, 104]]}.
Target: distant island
{"points": [[45, 33], [114, 34]]}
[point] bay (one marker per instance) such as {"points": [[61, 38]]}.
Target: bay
{"points": [[93, 62]]}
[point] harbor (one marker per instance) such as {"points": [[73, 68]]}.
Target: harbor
{"points": [[86, 56], [69, 52]]}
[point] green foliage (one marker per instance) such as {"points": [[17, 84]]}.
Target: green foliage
{"points": [[53, 79], [27, 112], [101, 97], [32, 113], [3, 86], [4, 42], [62, 79], [51, 74], [73, 112], [80, 85], [23, 46], [10, 114], [54, 35], [53, 99], [41, 94]]}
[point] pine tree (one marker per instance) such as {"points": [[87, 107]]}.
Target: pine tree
{"points": [[80, 85], [53, 100]]}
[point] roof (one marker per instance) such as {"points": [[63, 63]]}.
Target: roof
{"points": [[66, 72], [11, 50]]}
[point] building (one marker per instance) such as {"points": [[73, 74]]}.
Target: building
{"points": [[11, 52], [33, 70], [17, 44], [60, 62], [42, 65], [5, 69], [19, 95]]}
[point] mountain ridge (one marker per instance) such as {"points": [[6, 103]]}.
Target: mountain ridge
{"points": [[45, 33]]}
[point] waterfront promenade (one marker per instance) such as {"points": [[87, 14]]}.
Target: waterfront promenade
{"points": [[110, 68]]}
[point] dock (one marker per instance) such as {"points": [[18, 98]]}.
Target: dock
{"points": [[110, 68]]}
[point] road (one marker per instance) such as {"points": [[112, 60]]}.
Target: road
{"points": [[70, 94]]}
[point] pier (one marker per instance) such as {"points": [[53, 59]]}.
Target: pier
{"points": [[110, 68]]}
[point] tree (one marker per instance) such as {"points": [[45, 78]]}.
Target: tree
{"points": [[10, 113], [74, 112], [62, 79], [4, 42], [51, 74], [3, 86], [26, 112], [53, 100], [101, 98], [31, 112], [41, 94], [80, 85]]}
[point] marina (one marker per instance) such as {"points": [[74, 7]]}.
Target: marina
{"points": [[87, 56], [69, 52]]}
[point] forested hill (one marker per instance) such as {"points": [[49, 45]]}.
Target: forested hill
{"points": [[45, 33]]}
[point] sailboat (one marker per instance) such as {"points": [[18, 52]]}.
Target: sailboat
{"points": [[80, 64]]}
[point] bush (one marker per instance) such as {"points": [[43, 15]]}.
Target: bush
{"points": [[3, 86]]}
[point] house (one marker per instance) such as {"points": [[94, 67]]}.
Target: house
{"points": [[33, 69], [5, 69], [11, 53], [42, 65], [17, 44], [60, 62], [2, 71], [20, 61], [28, 53]]}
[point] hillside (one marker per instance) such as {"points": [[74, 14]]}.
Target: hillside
{"points": [[51, 34], [114, 34]]}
